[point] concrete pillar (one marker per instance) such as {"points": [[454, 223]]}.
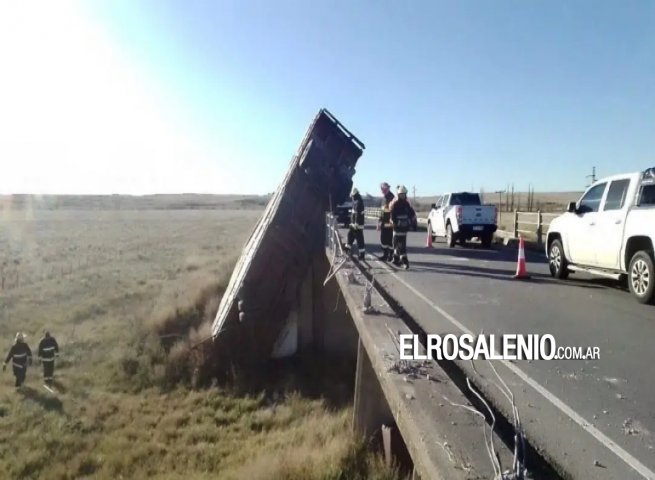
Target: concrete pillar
{"points": [[371, 410], [386, 444]]}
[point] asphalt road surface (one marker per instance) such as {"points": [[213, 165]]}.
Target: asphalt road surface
{"points": [[594, 418]]}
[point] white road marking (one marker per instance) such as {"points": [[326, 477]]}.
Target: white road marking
{"points": [[564, 408]]}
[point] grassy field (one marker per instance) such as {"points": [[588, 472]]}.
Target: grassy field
{"points": [[109, 284]]}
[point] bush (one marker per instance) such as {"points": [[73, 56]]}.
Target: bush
{"points": [[171, 347]]}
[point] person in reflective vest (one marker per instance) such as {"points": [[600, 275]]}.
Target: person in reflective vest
{"points": [[401, 215], [20, 356], [384, 223], [356, 230], [48, 351]]}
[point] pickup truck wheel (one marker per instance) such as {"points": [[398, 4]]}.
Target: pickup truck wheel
{"points": [[641, 277], [557, 262], [486, 240], [450, 236]]}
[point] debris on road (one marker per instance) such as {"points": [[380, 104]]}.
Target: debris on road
{"points": [[629, 428]]}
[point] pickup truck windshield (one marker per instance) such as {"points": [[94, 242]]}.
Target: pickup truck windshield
{"points": [[465, 199]]}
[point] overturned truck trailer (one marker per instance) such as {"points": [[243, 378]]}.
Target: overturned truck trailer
{"points": [[262, 290]]}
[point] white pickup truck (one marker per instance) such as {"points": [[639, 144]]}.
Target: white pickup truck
{"points": [[610, 232], [461, 217]]}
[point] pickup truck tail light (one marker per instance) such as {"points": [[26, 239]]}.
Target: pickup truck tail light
{"points": [[495, 213], [458, 214]]}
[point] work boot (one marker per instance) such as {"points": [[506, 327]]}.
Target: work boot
{"points": [[362, 255], [405, 263], [396, 260], [384, 256]]}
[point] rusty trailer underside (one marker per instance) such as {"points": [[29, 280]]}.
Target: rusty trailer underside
{"points": [[264, 284]]}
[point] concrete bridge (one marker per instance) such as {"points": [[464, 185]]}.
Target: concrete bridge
{"points": [[582, 418], [295, 290]]}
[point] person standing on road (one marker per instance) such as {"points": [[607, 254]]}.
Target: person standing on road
{"points": [[384, 223], [401, 215], [48, 351], [356, 231], [21, 356]]}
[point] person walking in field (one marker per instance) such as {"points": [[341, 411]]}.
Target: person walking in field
{"points": [[21, 356], [48, 351]]}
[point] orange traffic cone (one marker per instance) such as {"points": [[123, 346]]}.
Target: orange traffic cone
{"points": [[428, 242], [521, 269]]}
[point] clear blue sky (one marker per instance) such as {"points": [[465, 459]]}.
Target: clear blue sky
{"points": [[215, 96]]}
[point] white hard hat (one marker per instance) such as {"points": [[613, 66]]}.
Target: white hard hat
{"points": [[20, 337], [354, 192], [402, 189]]}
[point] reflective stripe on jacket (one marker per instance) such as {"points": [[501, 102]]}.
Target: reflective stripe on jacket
{"points": [[20, 353], [48, 349], [357, 212], [401, 215]]}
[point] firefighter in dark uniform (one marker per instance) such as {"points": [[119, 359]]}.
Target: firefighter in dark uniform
{"points": [[21, 356], [356, 231], [401, 215], [48, 351], [384, 223]]}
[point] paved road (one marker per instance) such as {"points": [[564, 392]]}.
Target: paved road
{"points": [[579, 412]]}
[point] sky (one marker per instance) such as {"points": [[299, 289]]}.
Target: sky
{"points": [[162, 96]]}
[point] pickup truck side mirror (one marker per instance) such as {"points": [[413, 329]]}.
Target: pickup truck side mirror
{"points": [[571, 208], [434, 205]]}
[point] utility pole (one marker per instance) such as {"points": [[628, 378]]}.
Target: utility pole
{"points": [[592, 176], [500, 204], [512, 206], [500, 201]]}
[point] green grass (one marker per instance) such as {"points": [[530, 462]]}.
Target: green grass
{"points": [[109, 285]]}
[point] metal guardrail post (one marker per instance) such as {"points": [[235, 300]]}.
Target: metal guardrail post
{"points": [[328, 230], [516, 224], [540, 226]]}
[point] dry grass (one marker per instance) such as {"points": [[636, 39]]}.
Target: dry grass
{"points": [[109, 285]]}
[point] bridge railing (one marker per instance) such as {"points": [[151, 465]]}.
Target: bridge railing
{"points": [[375, 213], [531, 225]]}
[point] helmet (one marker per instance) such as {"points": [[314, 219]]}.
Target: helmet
{"points": [[20, 337], [402, 189], [354, 192]]}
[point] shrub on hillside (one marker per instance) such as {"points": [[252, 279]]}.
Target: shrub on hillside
{"points": [[173, 345]]}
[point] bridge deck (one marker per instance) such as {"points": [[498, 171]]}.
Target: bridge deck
{"points": [[581, 413], [445, 441]]}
